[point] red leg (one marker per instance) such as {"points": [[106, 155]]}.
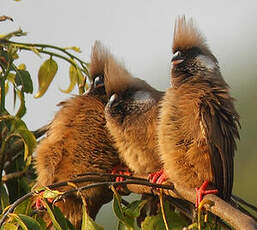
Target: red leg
{"points": [[122, 170], [157, 177], [200, 192], [39, 204]]}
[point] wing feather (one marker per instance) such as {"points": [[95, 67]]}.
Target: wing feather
{"points": [[220, 122]]}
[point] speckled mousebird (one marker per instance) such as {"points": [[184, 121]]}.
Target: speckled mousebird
{"points": [[78, 142], [131, 115], [198, 124]]}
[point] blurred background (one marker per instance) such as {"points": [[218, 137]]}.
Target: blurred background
{"points": [[139, 32]]}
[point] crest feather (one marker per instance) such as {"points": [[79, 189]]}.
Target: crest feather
{"points": [[117, 79], [187, 35], [99, 58]]}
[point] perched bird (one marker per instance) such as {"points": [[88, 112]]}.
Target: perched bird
{"points": [[78, 142], [198, 121], [131, 115]]}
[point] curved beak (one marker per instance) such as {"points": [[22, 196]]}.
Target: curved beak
{"points": [[113, 100], [99, 81], [176, 59]]}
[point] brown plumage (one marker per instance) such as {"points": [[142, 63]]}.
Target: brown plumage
{"points": [[198, 121], [131, 116], [78, 142]]}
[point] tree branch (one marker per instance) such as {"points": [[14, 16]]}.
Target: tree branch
{"points": [[222, 209]]}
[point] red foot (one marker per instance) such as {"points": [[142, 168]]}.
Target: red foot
{"points": [[200, 192], [122, 170], [157, 177], [39, 203]]}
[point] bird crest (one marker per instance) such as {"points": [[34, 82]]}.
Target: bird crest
{"points": [[187, 35], [99, 57], [117, 79]]}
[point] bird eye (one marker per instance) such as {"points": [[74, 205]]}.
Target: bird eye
{"points": [[99, 81]]}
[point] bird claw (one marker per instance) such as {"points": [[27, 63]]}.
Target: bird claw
{"points": [[122, 170], [39, 204], [200, 192], [157, 177]]}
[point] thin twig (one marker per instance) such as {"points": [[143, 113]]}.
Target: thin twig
{"points": [[13, 175], [80, 180], [247, 204], [111, 175]]}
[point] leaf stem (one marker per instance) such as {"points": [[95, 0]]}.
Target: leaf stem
{"points": [[84, 70], [2, 86], [42, 46]]}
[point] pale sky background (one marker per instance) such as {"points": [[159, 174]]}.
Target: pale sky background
{"points": [[139, 32]]}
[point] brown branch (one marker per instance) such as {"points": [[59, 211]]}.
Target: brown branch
{"points": [[222, 209], [13, 175], [101, 181]]}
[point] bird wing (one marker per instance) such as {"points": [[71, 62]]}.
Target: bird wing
{"points": [[220, 129]]}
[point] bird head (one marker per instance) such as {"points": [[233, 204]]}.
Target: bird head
{"points": [[192, 57], [99, 58], [128, 96]]}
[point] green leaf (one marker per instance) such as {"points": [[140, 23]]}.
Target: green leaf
{"points": [[22, 67], [25, 222], [9, 226], [22, 109], [119, 211], [40, 220], [23, 78], [51, 213], [175, 221], [88, 223], [153, 222], [6, 88], [29, 140], [134, 208], [29, 222], [73, 74], [11, 77], [51, 193], [46, 73], [74, 48], [60, 218], [4, 197], [24, 207], [122, 226]]}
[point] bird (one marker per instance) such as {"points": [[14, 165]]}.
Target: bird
{"points": [[198, 123], [78, 142], [131, 117]]}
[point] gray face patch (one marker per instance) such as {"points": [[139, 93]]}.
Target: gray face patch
{"points": [[206, 62], [143, 97]]}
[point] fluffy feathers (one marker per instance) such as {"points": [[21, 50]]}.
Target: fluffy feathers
{"points": [[131, 116], [198, 121]]}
